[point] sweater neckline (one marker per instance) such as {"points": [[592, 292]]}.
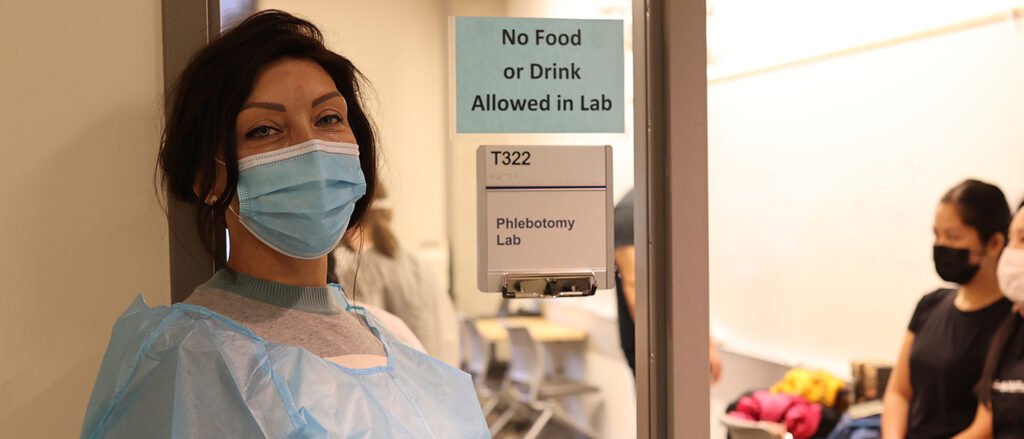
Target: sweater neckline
{"points": [[320, 300]]}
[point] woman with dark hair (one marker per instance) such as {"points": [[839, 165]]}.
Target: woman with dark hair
{"points": [[267, 137], [930, 394], [1001, 390]]}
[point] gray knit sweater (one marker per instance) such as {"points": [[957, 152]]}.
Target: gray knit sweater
{"points": [[313, 318]]}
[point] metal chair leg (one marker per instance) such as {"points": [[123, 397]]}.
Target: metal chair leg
{"points": [[537, 426], [565, 418], [503, 419], [490, 405]]}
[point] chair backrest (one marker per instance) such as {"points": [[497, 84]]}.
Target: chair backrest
{"points": [[479, 351], [526, 366]]}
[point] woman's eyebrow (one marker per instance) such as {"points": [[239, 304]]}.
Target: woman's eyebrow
{"points": [[321, 99], [266, 105]]}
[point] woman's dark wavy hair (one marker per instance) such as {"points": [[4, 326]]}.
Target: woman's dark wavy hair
{"points": [[206, 100]]}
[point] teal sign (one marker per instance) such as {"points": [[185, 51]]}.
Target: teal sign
{"points": [[538, 75]]}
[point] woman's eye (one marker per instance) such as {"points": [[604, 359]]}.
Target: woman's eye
{"points": [[259, 132], [329, 119]]}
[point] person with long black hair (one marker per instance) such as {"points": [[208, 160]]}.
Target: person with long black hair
{"points": [[930, 393], [1001, 390]]}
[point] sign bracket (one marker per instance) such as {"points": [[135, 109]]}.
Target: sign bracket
{"points": [[538, 286]]}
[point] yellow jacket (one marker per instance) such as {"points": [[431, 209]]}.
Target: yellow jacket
{"points": [[814, 386]]}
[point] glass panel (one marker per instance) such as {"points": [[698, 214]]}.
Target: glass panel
{"points": [[404, 48]]}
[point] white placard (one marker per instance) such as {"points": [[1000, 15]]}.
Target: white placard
{"points": [[544, 210]]}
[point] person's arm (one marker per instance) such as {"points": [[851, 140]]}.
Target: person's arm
{"points": [[981, 428], [716, 362], [625, 258], [898, 394]]}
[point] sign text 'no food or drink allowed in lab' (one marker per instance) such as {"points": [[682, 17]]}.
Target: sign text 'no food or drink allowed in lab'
{"points": [[538, 75]]}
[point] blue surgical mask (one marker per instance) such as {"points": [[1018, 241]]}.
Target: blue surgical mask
{"points": [[298, 200]]}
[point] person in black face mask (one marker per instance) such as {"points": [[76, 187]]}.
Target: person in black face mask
{"points": [[1001, 389], [930, 394]]}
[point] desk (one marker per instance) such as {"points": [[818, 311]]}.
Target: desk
{"points": [[542, 330]]}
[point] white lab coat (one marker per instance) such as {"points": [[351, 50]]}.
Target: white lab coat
{"points": [[407, 288]]}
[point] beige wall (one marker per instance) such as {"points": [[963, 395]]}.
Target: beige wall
{"points": [[81, 232], [745, 35], [823, 183], [462, 187]]}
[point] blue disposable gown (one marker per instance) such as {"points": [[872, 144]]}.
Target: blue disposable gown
{"points": [[186, 372]]}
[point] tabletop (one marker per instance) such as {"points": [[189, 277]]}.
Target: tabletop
{"points": [[541, 329]]}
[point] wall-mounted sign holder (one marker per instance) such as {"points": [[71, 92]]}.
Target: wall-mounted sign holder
{"points": [[544, 220]]}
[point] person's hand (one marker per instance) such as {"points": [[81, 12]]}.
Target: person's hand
{"points": [[716, 363]]}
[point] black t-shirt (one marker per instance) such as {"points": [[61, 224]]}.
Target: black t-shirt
{"points": [[1008, 388], [624, 238], [946, 361], [624, 221], [627, 329]]}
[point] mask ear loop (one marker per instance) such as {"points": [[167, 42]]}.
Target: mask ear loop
{"points": [[230, 207], [359, 260]]}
